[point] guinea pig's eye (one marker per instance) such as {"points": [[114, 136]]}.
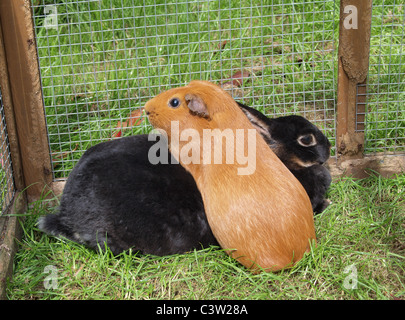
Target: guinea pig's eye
{"points": [[174, 103], [307, 140]]}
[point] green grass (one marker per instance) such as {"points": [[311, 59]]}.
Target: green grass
{"points": [[107, 58], [103, 61], [364, 228], [385, 130]]}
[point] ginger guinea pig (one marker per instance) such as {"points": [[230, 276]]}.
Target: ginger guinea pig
{"points": [[261, 217]]}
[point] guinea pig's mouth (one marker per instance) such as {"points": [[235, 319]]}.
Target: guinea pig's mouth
{"points": [[149, 115]]}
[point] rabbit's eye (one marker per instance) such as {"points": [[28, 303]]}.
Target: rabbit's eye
{"points": [[307, 140], [174, 103]]}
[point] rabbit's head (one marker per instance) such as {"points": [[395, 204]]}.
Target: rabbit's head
{"points": [[295, 140]]}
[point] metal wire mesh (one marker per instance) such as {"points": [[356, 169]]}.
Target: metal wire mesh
{"points": [[6, 172], [101, 60], [385, 112]]}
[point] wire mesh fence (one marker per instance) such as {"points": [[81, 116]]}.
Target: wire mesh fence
{"points": [[385, 112], [6, 172], [100, 61]]}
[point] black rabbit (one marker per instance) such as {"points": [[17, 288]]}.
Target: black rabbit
{"points": [[115, 195], [302, 147]]}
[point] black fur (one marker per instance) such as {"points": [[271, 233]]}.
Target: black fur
{"points": [[115, 195], [305, 162], [316, 181]]}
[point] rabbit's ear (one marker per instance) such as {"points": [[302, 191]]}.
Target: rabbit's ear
{"points": [[258, 120], [197, 105]]}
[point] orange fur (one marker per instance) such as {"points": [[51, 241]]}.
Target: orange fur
{"points": [[265, 219]]}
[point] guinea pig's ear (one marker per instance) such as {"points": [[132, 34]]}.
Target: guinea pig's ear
{"points": [[258, 120], [196, 104]]}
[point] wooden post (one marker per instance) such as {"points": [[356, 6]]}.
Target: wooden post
{"points": [[12, 135], [353, 59], [26, 95]]}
